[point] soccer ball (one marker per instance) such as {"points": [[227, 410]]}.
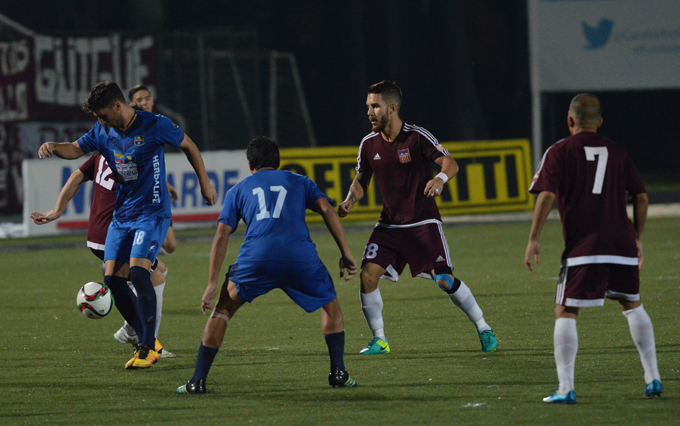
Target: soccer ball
{"points": [[94, 300]]}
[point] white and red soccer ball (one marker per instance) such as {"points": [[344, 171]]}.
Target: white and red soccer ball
{"points": [[94, 300]]}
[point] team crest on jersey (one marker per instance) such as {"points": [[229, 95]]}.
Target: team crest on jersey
{"points": [[125, 166], [404, 156], [139, 140]]}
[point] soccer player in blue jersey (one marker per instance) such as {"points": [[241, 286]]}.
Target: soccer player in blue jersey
{"points": [[132, 143], [278, 253]]}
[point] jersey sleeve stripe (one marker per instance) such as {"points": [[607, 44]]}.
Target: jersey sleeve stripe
{"points": [[540, 166], [421, 130], [367, 137], [429, 136]]}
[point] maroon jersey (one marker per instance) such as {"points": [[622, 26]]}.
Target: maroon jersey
{"points": [[103, 200], [402, 168], [590, 176]]}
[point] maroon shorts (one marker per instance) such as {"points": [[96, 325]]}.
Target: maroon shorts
{"points": [[422, 247], [588, 285]]}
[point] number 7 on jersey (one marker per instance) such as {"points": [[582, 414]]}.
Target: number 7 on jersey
{"points": [[602, 154]]}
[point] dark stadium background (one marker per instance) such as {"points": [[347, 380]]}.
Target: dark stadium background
{"points": [[463, 64]]}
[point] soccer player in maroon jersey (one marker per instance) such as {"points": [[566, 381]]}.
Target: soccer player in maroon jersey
{"points": [[589, 176], [409, 230], [103, 202]]}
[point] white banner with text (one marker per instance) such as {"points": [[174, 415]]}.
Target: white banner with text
{"points": [[606, 44]]}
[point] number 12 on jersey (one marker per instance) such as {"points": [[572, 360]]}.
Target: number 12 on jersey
{"points": [[264, 213], [602, 154]]}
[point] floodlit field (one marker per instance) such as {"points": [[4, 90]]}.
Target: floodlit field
{"points": [[60, 368]]}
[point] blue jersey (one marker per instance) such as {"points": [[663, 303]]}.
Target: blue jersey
{"points": [[138, 163], [273, 203]]}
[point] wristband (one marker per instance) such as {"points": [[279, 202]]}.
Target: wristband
{"points": [[443, 177]]}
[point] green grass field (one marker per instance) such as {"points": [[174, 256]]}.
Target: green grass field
{"points": [[60, 368]]}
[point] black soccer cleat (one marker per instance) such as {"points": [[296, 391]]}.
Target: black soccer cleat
{"points": [[341, 379], [193, 388]]}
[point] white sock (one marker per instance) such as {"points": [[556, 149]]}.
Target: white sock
{"points": [[642, 331], [159, 306], [565, 340], [372, 305], [464, 299]]}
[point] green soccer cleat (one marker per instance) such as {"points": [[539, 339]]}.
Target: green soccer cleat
{"points": [[341, 379], [376, 346], [192, 388], [488, 340], [558, 398], [654, 388]]}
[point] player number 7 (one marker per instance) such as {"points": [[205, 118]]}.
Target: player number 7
{"points": [[602, 154], [264, 213]]}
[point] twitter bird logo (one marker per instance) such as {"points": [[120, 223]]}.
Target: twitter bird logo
{"points": [[598, 36]]}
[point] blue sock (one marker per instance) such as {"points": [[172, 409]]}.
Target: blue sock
{"points": [[146, 305], [204, 361], [336, 349], [124, 300]]}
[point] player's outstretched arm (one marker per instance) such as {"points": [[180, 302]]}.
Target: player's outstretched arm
{"points": [[640, 206], [333, 224], [65, 195], [194, 156], [65, 150], [356, 192], [435, 186], [544, 203], [217, 253]]}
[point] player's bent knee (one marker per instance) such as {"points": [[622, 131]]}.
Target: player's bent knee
{"points": [[170, 246], [627, 305], [445, 280], [369, 282]]}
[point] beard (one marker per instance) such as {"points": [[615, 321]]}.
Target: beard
{"points": [[380, 125]]}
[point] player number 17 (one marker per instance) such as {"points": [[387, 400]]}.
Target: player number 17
{"points": [[602, 154], [264, 213]]}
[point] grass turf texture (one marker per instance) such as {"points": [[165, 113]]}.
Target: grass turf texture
{"points": [[60, 368]]}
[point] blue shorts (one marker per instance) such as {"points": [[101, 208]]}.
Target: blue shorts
{"points": [[308, 284], [140, 238]]}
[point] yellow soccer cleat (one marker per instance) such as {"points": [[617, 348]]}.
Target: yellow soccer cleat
{"points": [[144, 358], [134, 357]]}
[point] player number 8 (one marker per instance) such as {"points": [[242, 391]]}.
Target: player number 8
{"points": [[371, 251]]}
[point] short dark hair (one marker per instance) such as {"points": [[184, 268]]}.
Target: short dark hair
{"points": [[389, 90], [136, 89], [586, 109], [103, 95], [263, 152]]}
